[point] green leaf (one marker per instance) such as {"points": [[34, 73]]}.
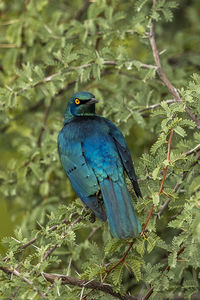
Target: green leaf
{"points": [[155, 198], [135, 265], [14, 34], [161, 140], [155, 173], [44, 188], [36, 170], [180, 131]]}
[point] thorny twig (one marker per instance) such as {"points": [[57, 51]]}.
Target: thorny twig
{"points": [[162, 74], [106, 288]]}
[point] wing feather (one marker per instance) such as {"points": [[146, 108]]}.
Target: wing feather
{"points": [[125, 155]]}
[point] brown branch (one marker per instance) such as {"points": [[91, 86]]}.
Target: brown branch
{"points": [[94, 230], [24, 246], [192, 151], [153, 106], [106, 288], [74, 68], [49, 251], [120, 261], [96, 285], [54, 227], [147, 221], [171, 88]]}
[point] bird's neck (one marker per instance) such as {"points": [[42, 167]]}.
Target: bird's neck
{"points": [[70, 117]]}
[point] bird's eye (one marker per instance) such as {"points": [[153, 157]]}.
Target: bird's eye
{"points": [[77, 101]]}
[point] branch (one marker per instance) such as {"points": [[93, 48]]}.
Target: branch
{"points": [[96, 285], [54, 227], [106, 288], [74, 68], [151, 107], [120, 261], [171, 88], [49, 251], [192, 151]]}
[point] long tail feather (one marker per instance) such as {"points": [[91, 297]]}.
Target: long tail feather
{"points": [[120, 212], [93, 203]]}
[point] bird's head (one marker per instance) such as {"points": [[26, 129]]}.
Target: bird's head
{"points": [[80, 104]]}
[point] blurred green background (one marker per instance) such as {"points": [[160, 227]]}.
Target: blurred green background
{"points": [[30, 33]]}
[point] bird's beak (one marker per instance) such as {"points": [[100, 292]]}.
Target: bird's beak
{"points": [[92, 101]]}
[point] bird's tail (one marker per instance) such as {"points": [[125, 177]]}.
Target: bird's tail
{"points": [[119, 208], [93, 203]]}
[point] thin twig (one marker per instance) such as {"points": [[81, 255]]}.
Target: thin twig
{"points": [[171, 88], [192, 151], [49, 251], [74, 68], [147, 221], [24, 246], [120, 261], [94, 230], [52, 228], [151, 107]]}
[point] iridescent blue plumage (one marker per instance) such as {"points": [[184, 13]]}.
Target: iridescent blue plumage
{"points": [[94, 155]]}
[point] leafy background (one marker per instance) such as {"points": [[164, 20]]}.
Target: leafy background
{"points": [[49, 50]]}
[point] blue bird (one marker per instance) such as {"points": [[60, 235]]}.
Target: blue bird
{"points": [[94, 155]]}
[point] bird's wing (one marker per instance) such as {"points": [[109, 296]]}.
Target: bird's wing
{"points": [[78, 171], [103, 156], [125, 156], [80, 174]]}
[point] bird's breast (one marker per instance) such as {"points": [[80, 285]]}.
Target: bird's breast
{"points": [[97, 147]]}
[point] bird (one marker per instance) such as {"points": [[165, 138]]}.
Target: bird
{"points": [[95, 158]]}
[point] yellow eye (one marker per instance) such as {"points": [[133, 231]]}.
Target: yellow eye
{"points": [[77, 101]]}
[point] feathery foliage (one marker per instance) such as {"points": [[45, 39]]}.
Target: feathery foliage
{"points": [[48, 51]]}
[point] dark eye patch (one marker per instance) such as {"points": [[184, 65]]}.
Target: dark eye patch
{"points": [[84, 101]]}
